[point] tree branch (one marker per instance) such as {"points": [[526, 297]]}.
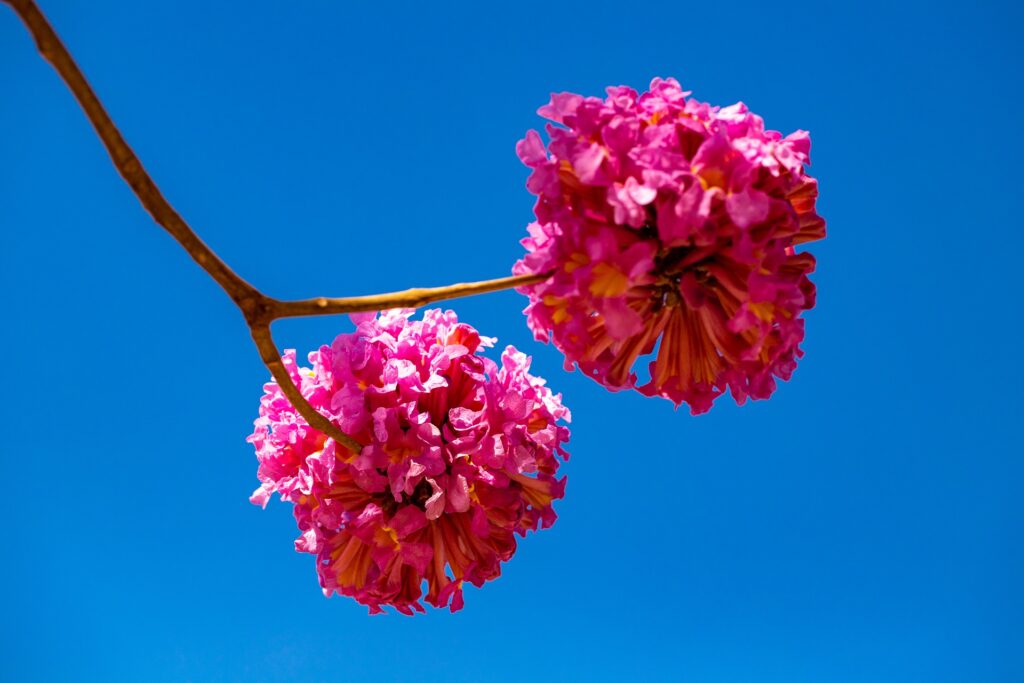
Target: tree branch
{"points": [[409, 298], [127, 164], [259, 309]]}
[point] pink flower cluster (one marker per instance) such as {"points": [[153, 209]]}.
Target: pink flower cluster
{"points": [[460, 455], [669, 228]]}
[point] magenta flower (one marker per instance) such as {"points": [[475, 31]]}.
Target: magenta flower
{"points": [[670, 227], [461, 454]]}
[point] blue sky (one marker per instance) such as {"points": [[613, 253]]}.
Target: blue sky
{"points": [[863, 525]]}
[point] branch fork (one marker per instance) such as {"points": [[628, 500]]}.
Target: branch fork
{"points": [[258, 309]]}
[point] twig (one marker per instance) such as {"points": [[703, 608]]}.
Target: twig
{"points": [[259, 309], [409, 298], [127, 164]]}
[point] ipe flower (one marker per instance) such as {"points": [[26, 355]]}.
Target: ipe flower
{"points": [[460, 455], [670, 229]]}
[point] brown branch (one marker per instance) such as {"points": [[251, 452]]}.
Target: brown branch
{"points": [[127, 164], [409, 298], [259, 309], [252, 303]]}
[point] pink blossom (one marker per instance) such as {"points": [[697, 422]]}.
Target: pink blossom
{"points": [[461, 454], [670, 227]]}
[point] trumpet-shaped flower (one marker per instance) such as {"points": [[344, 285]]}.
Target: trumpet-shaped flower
{"points": [[670, 229], [461, 454]]}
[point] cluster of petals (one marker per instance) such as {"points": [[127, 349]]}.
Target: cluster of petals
{"points": [[460, 455], [669, 227]]}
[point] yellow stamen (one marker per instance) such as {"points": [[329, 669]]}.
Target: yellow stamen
{"points": [[559, 315], [763, 310], [608, 281], [575, 261], [711, 177]]}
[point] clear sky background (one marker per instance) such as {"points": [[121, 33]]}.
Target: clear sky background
{"points": [[863, 525]]}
